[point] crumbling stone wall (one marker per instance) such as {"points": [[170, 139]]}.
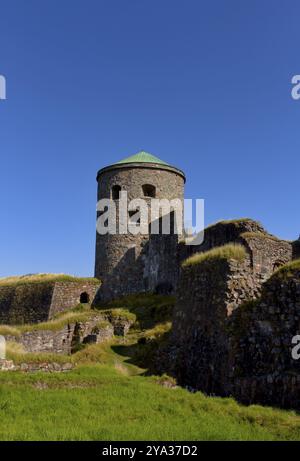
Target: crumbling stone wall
{"points": [[232, 332], [267, 253], [28, 303], [261, 363], [65, 340], [34, 302], [208, 293], [68, 294], [220, 234], [33, 367]]}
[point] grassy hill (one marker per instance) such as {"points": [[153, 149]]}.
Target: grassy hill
{"points": [[108, 395]]}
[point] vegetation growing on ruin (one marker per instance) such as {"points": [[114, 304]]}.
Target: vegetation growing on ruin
{"points": [[287, 270], [149, 309], [260, 235], [6, 330], [235, 222], [229, 251], [43, 278], [53, 325]]}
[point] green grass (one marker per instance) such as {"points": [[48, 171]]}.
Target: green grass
{"points": [[54, 325], [107, 396], [229, 251], [43, 278], [148, 309], [103, 402]]}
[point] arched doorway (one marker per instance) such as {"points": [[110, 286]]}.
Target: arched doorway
{"points": [[84, 298]]}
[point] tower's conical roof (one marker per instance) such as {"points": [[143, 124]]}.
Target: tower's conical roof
{"points": [[145, 160], [142, 157]]}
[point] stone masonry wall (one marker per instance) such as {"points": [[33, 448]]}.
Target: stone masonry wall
{"points": [[39, 301], [232, 334], [123, 260], [67, 295], [261, 363], [267, 253], [28, 303], [99, 328], [220, 234], [208, 293]]}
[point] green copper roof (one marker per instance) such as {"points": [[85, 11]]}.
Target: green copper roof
{"points": [[142, 157]]}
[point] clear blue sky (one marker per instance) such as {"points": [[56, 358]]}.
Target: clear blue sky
{"points": [[204, 85]]}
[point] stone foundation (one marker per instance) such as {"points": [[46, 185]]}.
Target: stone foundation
{"points": [[99, 328]]}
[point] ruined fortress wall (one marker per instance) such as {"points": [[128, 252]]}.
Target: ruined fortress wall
{"points": [[208, 293], [25, 303], [122, 261], [66, 295], [37, 302], [263, 369], [267, 253], [220, 234], [65, 339], [232, 334], [162, 266]]}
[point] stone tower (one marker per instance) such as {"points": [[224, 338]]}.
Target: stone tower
{"points": [[128, 263]]}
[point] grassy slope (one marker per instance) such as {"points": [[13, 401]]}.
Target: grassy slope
{"points": [[102, 402], [107, 397]]}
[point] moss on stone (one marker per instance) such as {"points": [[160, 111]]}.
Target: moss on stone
{"points": [[52, 325], [119, 313], [148, 308], [235, 222], [260, 235], [229, 251], [44, 278]]}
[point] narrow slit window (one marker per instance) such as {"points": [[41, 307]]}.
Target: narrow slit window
{"points": [[115, 192]]}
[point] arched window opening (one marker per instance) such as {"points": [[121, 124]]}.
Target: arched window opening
{"points": [[84, 298], [115, 192], [149, 190]]}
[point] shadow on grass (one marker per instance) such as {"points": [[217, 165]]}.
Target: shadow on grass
{"points": [[146, 353], [149, 309]]}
